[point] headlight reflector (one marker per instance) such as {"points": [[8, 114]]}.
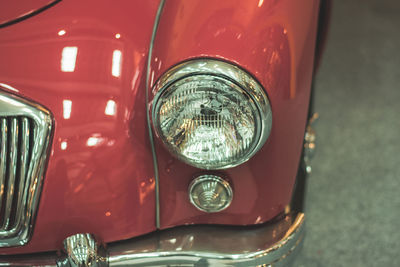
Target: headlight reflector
{"points": [[211, 114]]}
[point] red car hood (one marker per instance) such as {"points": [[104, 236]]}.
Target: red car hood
{"points": [[12, 12], [85, 62]]}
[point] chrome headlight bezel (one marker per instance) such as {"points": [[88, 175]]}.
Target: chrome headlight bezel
{"points": [[222, 70]]}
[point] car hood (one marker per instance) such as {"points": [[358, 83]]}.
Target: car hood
{"points": [[12, 11], [85, 61]]}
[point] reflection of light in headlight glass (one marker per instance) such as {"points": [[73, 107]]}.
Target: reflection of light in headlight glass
{"points": [[209, 121]]}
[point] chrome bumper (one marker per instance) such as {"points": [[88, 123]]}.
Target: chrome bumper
{"points": [[272, 244]]}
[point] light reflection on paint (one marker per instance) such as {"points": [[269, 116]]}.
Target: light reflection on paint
{"points": [[64, 145], [68, 58], [117, 36], [61, 33], [94, 141], [116, 63], [111, 108], [67, 108], [111, 142]]}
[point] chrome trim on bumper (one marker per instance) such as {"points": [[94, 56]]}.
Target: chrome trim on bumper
{"points": [[201, 245], [246, 247]]}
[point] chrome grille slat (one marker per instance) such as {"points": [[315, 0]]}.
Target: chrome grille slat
{"points": [[3, 162], [25, 135], [12, 172], [23, 163]]}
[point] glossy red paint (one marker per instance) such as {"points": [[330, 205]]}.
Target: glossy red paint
{"points": [[11, 11], [273, 40], [85, 61]]}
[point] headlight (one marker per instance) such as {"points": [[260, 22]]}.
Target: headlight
{"points": [[211, 114]]}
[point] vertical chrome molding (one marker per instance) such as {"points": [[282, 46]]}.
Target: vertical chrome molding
{"points": [[3, 159], [12, 172], [24, 161], [153, 149]]}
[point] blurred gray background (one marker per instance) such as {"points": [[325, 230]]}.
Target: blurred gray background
{"points": [[353, 194]]}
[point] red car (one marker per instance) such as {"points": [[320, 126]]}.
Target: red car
{"points": [[155, 132]]}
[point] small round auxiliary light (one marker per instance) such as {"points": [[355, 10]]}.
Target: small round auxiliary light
{"points": [[210, 193]]}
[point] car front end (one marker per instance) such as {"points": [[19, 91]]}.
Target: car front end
{"points": [[154, 133]]}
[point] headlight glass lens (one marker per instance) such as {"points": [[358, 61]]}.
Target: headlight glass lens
{"points": [[210, 193], [208, 119]]}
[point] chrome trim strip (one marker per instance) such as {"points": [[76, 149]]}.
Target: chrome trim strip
{"points": [[3, 158], [12, 171], [214, 247], [25, 167], [24, 160], [196, 246], [153, 149]]}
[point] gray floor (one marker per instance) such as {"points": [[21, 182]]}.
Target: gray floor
{"points": [[353, 195]]}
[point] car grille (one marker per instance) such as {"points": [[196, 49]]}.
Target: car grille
{"points": [[24, 136]]}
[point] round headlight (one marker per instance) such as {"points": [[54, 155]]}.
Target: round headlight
{"points": [[211, 114]]}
